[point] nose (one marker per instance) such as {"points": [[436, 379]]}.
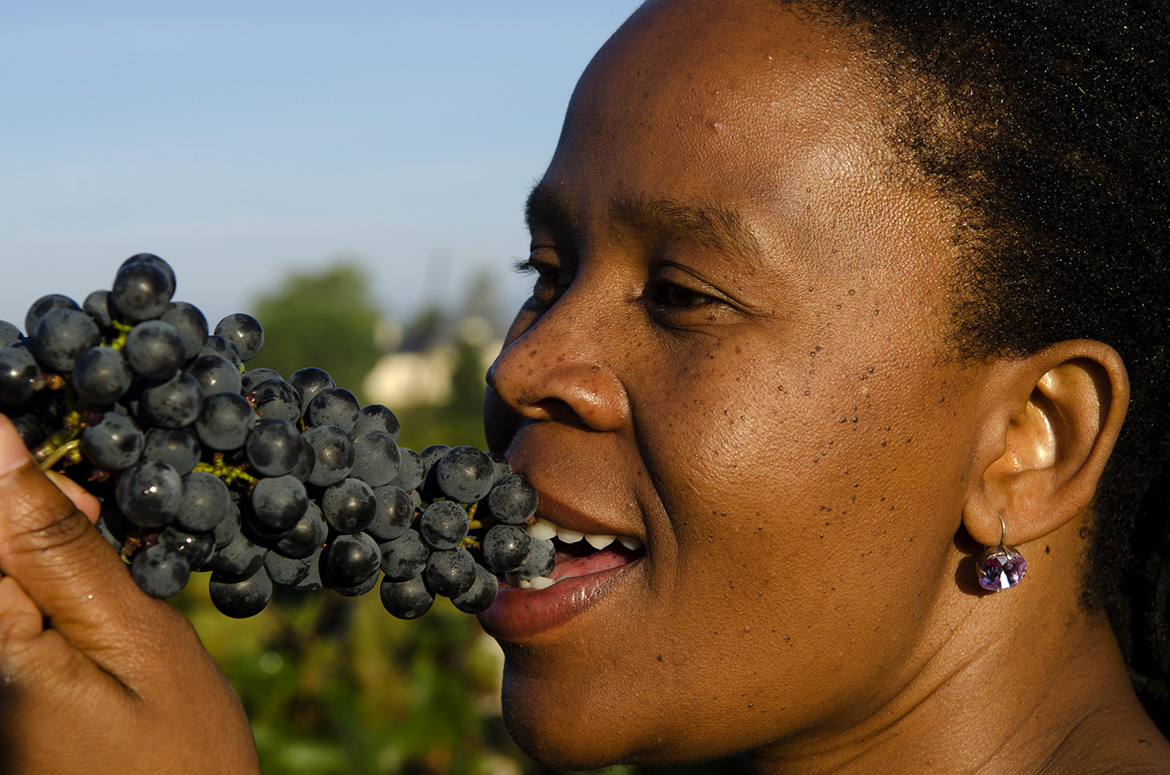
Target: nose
{"points": [[554, 371]]}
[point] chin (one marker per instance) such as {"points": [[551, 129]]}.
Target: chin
{"points": [[563, 726]]}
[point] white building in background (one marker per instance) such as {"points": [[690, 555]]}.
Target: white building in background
{"points": [[409, 379]]}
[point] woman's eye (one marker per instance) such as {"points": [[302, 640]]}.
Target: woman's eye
{"points": [[677, 296], [551, 281]]}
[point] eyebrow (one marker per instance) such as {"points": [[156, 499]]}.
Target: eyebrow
{"points": [[713, 226]]}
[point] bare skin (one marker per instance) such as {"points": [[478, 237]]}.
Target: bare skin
{"points": [[735, 352], [97, 677]]}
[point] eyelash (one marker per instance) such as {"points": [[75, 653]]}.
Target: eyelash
{"points": [[552, 281]]}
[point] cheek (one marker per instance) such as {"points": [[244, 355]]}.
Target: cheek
{"points": [[808, 498]]}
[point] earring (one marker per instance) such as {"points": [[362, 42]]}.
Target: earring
{"points": [[1000, 567]]}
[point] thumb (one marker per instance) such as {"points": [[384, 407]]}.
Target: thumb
{"points": [[60, 560]]}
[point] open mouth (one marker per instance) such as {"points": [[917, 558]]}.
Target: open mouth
{"points": [[578, 554]]}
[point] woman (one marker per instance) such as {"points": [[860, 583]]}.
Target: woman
{"points": [[827, 300]]}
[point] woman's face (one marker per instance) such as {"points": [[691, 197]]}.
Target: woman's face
{"points": [[734, 353]]}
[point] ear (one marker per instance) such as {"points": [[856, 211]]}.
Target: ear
{"points": [[1051, 420]]}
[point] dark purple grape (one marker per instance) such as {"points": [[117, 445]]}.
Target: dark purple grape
{"points": [[431, 455], [352, 560], [225, 532], [306, 459], [513, 500], [8, 333], [206, 502], [114, 527], [358, 589], [18, 375], [394, 513], [189, 321], [172, 403], [253, 377], [179, 448], [196, 548], [226, 420], [273, 447], [376, 461], [375, 417], [101, 376], [505, 547], [153, 260], [481, 595], [404, 557], [241, 599], [244, 331], [150, 494], [308, 382], [239, 559], [28, 426], [450, 572], [336, 406], [334, 455], [97, 306], [410, 470], [217, 345], [443, 525], [63, 335], [408, 599], [312, 582], [43, 306], [288, 571], [349, 506], [464, 474], [142, 291], [307, 536], [501, 464], [114, 443], [278, 503], [154, 349], [541, 560], [215, 374], [276, 399], [160, 570]]}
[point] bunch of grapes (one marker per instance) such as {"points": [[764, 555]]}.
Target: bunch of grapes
{"points": [[202, 465]]}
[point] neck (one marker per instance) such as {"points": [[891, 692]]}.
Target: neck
{"points": [[1022, 684]]}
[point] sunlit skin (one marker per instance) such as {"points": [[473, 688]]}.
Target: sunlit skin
{"points": [[736, 351]]}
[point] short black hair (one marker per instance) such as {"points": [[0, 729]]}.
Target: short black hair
{"points": [[1047, 123]]}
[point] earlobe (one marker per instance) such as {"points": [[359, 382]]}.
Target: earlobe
{"points": [[1051, 421]]}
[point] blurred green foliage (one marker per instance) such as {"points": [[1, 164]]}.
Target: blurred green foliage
{"points": [[322, 318], [336, 685]]}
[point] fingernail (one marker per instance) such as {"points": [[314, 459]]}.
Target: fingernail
{"points": [[13, 453]]}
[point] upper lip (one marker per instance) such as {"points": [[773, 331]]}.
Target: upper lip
{"points": [[563, 514]]}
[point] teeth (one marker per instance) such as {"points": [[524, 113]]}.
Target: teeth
{"points": [[541, 582], [600, 541], [525, 584], [542, 528], [569, 536]]}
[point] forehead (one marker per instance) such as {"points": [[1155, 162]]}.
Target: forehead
{"points": [[746, 104]]}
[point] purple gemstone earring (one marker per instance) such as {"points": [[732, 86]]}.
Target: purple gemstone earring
{"points": [[1000, 567]]}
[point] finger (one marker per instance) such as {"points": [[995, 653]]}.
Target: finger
{"points": [[20, 619], [64, 565], [82, 499]]}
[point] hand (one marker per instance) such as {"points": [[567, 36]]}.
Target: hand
{"points": [[95, 676]]}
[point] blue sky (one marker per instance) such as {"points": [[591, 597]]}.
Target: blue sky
{"points": [[238, 140]]}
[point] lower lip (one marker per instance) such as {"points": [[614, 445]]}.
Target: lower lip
{"points": [[519, 613]]}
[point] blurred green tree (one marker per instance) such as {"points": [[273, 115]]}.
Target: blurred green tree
{"points": [[323, 318]]}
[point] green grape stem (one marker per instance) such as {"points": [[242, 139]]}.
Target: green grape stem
{"points": [[230, 474]]}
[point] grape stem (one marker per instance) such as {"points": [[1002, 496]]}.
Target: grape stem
{"points": [[53, 455], [228, 473]]}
